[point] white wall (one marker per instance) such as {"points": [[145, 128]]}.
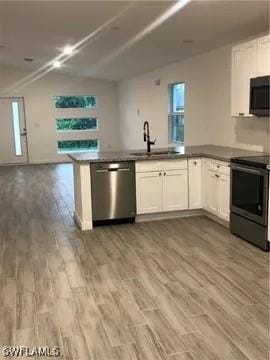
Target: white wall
{"points": [[41, 114], [207, 110]]}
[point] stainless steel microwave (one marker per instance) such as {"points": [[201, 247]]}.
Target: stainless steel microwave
{"points": [[259, 96]]}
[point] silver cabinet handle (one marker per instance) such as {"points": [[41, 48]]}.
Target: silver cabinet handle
{"points": [[164, 174], [216, 175], [195, 162]]}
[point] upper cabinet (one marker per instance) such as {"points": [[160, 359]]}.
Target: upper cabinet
{"points": [[249, 59], [263, 46]]}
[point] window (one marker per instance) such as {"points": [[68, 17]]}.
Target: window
{"points": [[176, 114], [76, 124], [68, 146], [65, 102], [16, 128]]}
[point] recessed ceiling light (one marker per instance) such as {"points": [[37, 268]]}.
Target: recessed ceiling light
{"points": [[187, 41], [68, 50], [115, 28], [28, 59], [57, 64]]}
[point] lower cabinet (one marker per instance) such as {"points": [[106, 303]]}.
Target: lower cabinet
{"points": [[172, 185], [213, 192], [219, 195], [224, 197], [205, 183], [195, 183], [149, 192], [163, 190], [175, 190]]}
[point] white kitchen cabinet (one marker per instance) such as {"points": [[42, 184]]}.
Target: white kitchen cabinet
{"points": [[195, 183], [165, 189], [205, 183], [219, 194], [149, 187], [263, 58], [244, 67], [175, 190], [237, 101], [224, 197], [213, 192]]}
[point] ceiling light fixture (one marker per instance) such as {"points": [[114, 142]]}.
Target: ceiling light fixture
{"points": [[68, 50], [56, 64]]}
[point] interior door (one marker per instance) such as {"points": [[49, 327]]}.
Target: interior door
{"points": [[13, 141]]}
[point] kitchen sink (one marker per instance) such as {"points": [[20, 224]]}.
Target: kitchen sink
{"points": [[155, 153]]}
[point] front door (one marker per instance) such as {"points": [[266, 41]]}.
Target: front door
{"points": [[13, 141]]}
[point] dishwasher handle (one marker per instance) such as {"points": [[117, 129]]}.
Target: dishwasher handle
{"points": [[110, 170]]}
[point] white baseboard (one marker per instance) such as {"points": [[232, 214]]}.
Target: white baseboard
{"points": [[49, 161], [169, 215], [216, 219], [180, 214], [83, 225]]}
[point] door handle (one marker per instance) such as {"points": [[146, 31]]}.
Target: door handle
{"points": [[24, 133]]}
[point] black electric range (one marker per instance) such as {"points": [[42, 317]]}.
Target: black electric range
{"points": [[250, 198], [262, 162]]}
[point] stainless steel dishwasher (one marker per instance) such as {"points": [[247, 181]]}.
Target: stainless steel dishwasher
{"points": [[113, 190]]}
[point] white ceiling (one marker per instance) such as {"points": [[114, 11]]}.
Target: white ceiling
{"points": [[40, 29]]}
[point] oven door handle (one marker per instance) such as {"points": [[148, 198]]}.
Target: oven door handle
{"points": [[250, 171]]}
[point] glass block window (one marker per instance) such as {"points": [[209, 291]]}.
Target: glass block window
{"points": [[76, 124], [67, 102], [69, 146]]}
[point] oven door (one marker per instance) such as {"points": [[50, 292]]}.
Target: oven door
{"points": [[249, 188]]}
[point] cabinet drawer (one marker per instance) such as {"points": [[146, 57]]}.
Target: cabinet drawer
{"points": [[220, 167], [174, 164], [146, 166]]}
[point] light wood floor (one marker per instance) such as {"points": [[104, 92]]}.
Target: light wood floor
{"points": [[168, 290]]}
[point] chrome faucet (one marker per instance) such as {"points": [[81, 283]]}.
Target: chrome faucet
{"points": [[146, 136]]}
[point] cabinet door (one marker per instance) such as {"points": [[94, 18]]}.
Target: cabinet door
{"points": [[149, 192], [213, 192], [263, 45], [224, 197], [175, 190], [237, 79], [250, 71], [195, 183], [244, 67], [205, 183]]}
